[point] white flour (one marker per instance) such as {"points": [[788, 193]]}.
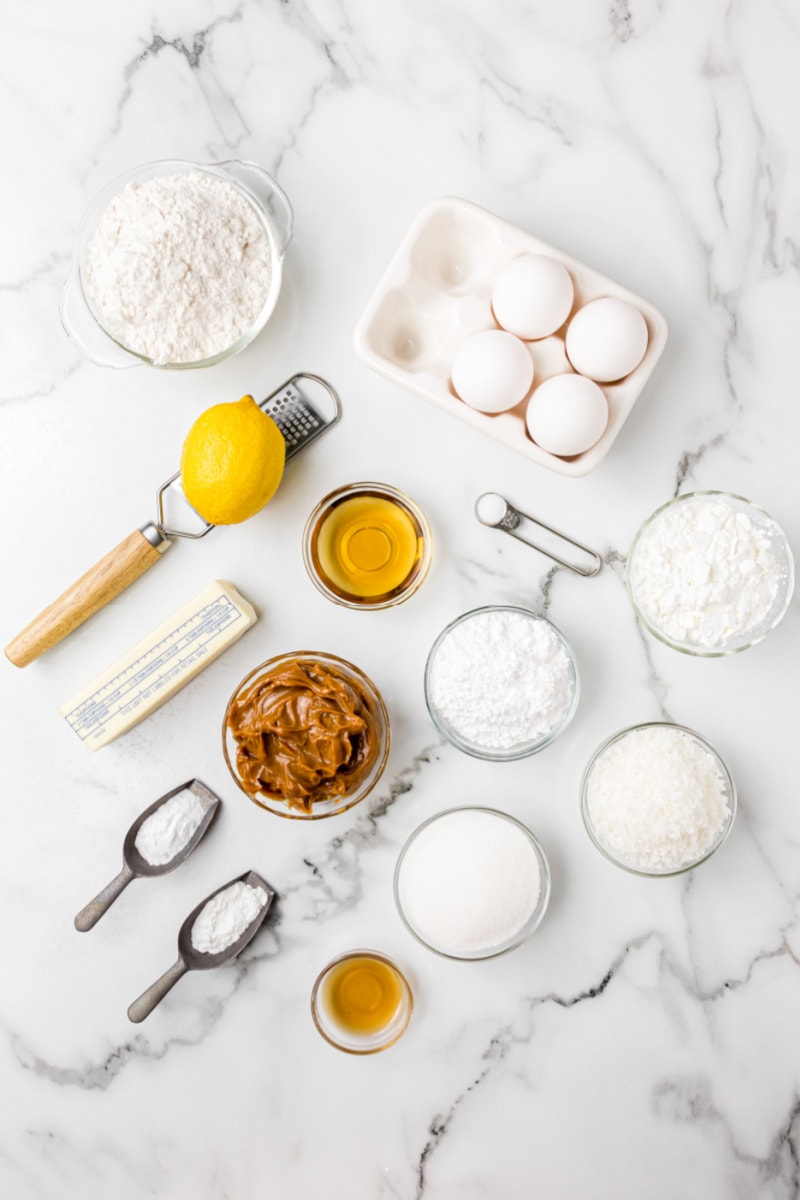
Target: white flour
{"points": [[171, 827], [226, 916], [704, 573], [500, 679], [469, 882], [657, 799], [179, 267]]}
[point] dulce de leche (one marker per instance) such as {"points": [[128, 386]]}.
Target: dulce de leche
{"points": [[304, 733]]}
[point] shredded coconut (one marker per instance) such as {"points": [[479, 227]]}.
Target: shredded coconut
{"points": [[226, 916], [501, 679], [178, 267], [469, 882], [170, 828], [657, 799], [705, 574]]}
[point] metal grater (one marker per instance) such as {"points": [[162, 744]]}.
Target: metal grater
{"points": [[295, 415]]}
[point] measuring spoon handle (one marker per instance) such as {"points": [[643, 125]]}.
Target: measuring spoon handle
{"points": [[145, 1004], [88, 917]]}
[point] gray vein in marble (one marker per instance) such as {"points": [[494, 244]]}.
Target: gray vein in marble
{"points": [[621, 21], [689, 1099], [223, 108], [784, 1154], [339, 859], [691, 458], [100, 1076], [658, 686]]}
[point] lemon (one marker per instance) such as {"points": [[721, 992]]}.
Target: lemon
{"points": [[232, 462]]}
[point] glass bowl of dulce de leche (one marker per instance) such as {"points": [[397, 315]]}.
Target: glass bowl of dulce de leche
{"points": [[306, 735]]}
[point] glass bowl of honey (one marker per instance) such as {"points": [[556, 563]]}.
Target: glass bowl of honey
{"points": [[367, 545], [361, 1002]]}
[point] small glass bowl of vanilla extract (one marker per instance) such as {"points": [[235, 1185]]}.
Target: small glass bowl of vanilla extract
{"points": [[361, 1002], [367, 545]]}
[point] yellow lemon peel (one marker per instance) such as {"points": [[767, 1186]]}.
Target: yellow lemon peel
{"points": [[232, 462]]}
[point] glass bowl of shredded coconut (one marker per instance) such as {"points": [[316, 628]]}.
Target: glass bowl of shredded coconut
{"points": [[501, 682], [657, 799], [710, 574], [471, 883], [177, 264]]}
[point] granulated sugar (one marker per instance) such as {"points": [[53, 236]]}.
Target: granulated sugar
{"points": [[469, 882], [657, 799], [500, 679], [178, 267]]}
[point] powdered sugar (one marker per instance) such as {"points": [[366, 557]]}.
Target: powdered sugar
{"points": [[178, 267], [501, 678], [705, 573], [657, 799]]}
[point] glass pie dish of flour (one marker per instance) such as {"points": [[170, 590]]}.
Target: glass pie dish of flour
{"points": [[501, 682], [710, 574], [177, 264]]}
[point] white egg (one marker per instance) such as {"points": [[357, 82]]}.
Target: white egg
{"points": [[566, 415], [533, 296], [492, 371], [606, 339]]}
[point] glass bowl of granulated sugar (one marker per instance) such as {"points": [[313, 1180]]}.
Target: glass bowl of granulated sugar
{"points": [[710, 574], [177, 264], [501, 683], [657, 799]]}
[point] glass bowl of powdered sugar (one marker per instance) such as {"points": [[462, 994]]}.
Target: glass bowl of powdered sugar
{"points": [[177, 264], [501, 683], [657, 799], [710, 574]]}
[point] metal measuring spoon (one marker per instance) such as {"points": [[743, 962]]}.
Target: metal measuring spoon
{"points": [[496, 512], [190, 959], [135, 865]]}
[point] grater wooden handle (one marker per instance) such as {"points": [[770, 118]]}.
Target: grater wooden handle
{"points": [[101, 584]]}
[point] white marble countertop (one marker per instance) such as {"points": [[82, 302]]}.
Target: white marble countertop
{"points": [[643, 1043]]}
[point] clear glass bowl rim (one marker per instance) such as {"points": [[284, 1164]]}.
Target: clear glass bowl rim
{"points": [[404, 1019], [726, 775], [346, 668], [699, 651], [153, 170], [514, 753], [533, 922], [356, 489]]}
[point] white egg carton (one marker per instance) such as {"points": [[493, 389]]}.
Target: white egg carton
{"points": [[437, 290]]}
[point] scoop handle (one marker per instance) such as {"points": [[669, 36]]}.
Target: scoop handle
{"points": [[88, 917], [106, 580], [145, 1004]]}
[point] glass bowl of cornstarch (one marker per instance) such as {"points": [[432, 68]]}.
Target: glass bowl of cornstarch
{"points": [[657, 799], [710, 573], [177, 264]]}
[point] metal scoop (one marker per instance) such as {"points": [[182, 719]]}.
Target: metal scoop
{"points": [[135, 865], [302, 408], [190, 959]]}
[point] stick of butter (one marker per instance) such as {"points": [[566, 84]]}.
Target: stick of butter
{"points": [[159, 665]]}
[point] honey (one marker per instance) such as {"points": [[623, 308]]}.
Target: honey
{"points": [[368, 546], [362, 995]]}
